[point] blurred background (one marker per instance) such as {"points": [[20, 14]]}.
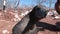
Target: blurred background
{"points": [[28, 3]]}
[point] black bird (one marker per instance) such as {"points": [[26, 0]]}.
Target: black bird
{"points": [[28, 21]]}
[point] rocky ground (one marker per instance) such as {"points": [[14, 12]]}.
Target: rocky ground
{"points": [[52, 21], [9, 18]]}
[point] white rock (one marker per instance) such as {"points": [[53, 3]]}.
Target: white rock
{"points": [[5, 11], [57, 17], [22, 14], [19, 19], [5, 31], [26, 12], [15, 19], [16, 16]]}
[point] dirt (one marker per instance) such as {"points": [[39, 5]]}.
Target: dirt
{"points": [[8, 21]]}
